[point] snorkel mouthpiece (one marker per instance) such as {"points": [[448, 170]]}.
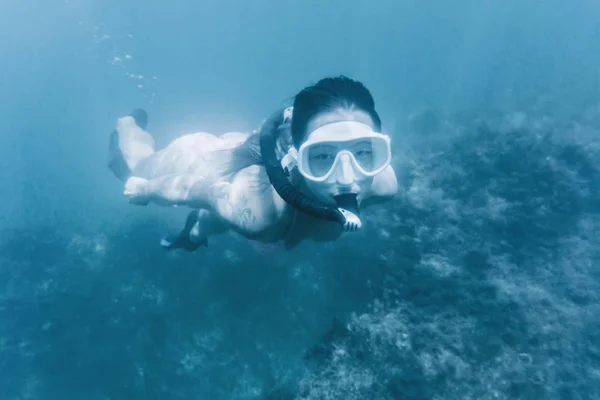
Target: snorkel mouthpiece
{"points": [[348, 207]]}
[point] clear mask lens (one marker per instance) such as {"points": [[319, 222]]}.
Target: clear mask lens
{"points": [[371, 154]]}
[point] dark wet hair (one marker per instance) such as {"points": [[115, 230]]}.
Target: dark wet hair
{"points": [[330, 94]]}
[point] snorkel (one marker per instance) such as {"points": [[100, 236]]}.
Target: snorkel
{"points": [[346, 213]]}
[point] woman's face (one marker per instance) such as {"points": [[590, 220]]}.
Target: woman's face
{"points": [[344, 179]]}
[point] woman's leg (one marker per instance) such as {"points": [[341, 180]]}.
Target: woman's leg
{"points": [[129, 144]]}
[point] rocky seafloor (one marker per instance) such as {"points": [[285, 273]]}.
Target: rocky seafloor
{"points": [[479, 281]]}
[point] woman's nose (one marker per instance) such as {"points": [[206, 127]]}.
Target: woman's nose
{"points": [[345, 173]]}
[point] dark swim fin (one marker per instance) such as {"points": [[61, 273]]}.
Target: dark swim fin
{"points": [[173, 242], [183, 241], [140, 117]]}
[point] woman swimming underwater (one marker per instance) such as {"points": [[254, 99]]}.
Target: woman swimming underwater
{"points": [[304, 175]]}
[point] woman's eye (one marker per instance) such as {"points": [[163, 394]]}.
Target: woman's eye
{"points": [[363, 152], [323, 156]]}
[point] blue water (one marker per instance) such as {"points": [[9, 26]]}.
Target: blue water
{"points": [[479, 281]]}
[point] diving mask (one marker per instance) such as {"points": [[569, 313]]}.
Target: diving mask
{"points": [[318, 158]]}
